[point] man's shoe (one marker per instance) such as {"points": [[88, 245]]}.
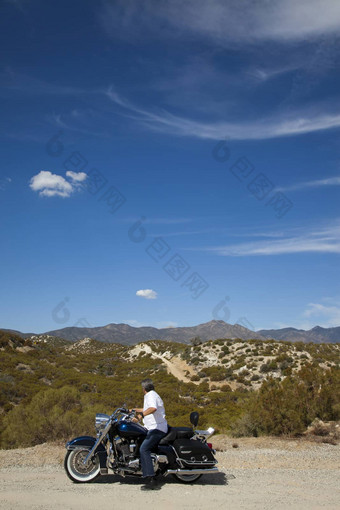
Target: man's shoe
{"points": [[151, 484]]}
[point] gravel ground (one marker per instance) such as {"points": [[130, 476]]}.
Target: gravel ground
{"points": [[261, 473]]}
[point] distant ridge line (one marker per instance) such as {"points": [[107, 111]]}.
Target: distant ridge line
{"points": [[128, 335]]}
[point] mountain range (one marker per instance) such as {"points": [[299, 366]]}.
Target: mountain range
{"points": [[213, 330]]}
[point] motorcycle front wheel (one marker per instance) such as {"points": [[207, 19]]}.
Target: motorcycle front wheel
{"points": [[187, 478], [75, 468]]}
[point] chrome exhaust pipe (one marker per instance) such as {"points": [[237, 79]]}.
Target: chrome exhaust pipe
{"points": [[207, 471]]}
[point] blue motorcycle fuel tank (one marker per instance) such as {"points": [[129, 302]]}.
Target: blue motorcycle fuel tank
{"points": [[127, 429]]}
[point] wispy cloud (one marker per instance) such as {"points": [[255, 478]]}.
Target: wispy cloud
{"points": [[159, 325], [223, 22], [167, 221], [147, 293], [48, 184], [330, 181], [263, 74], [13, 81], [158, 221], [321, 240], [184, 233], [87, 122], [4, 182], [134, 323], [166, 324], [264, 128], [324, 315]]}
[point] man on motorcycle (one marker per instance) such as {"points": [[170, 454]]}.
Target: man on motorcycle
{"points": [[153, 414]]}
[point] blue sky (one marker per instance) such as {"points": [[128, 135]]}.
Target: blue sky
{"points": [[169, 163]]}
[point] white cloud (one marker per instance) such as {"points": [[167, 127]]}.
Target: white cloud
{"points": [[261, 129], [147, 294], [223, 22], [48, 184], [327, 316], [321, 240], [76, 177], [330, 181]]}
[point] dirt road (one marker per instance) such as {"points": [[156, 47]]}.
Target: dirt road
{"points": [[259, 474]]}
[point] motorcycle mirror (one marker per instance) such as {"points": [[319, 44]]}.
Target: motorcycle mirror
{"points": [[194, 418]]}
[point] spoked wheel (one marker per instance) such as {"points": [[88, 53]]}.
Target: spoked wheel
{"points": [[187, 478], [75, 468]]}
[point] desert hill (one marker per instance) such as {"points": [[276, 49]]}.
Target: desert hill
{"points": [[51, 388]]}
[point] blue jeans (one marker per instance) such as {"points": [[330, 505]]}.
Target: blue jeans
{"points": [[152, 439]]}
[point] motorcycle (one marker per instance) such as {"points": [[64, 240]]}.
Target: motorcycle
{"points": [[183, 452]]}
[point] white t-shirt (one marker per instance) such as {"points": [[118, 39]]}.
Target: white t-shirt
{"points": [[157, 419]]}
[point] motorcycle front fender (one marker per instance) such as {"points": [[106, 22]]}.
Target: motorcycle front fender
{"points": [[88, 442], [83, 441]]}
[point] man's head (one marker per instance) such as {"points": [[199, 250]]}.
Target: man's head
{"points": [[147, 385]]}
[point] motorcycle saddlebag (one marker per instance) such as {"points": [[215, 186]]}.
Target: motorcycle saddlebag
{"points": [[194, 453]]}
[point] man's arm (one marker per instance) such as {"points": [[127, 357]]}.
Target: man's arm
{"points": [[149, 410]]}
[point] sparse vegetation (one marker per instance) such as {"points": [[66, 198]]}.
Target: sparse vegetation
{"points": [[51, 388]]}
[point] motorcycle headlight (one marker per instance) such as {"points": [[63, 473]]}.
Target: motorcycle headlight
{"points": [[101, 421]]}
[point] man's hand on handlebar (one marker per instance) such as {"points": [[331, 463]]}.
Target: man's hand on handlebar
{"points": [[136, 416]]}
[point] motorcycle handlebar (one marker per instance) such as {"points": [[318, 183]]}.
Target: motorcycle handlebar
{"points": [[122, 410]]}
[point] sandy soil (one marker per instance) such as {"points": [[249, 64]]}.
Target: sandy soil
{"points": [[257, 474], [178, 368], [175, 366]]}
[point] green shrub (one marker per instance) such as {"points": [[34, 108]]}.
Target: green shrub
{"points": [[226, 388], [255, 377], [51, 414], [244, 427], [215, 373]]}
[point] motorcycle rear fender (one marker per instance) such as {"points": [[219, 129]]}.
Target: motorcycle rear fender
{"points": [[88, 441]]}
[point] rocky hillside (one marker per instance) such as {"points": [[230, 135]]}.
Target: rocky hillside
{"points": [[52, 388], [249, 363], [238, 363]]}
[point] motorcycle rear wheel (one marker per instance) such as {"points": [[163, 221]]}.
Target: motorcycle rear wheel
{"points": [[187, 478], [76, 470]]}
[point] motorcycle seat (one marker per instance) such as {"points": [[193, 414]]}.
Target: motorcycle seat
{"points": [[176, 433], [170, 437]]}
